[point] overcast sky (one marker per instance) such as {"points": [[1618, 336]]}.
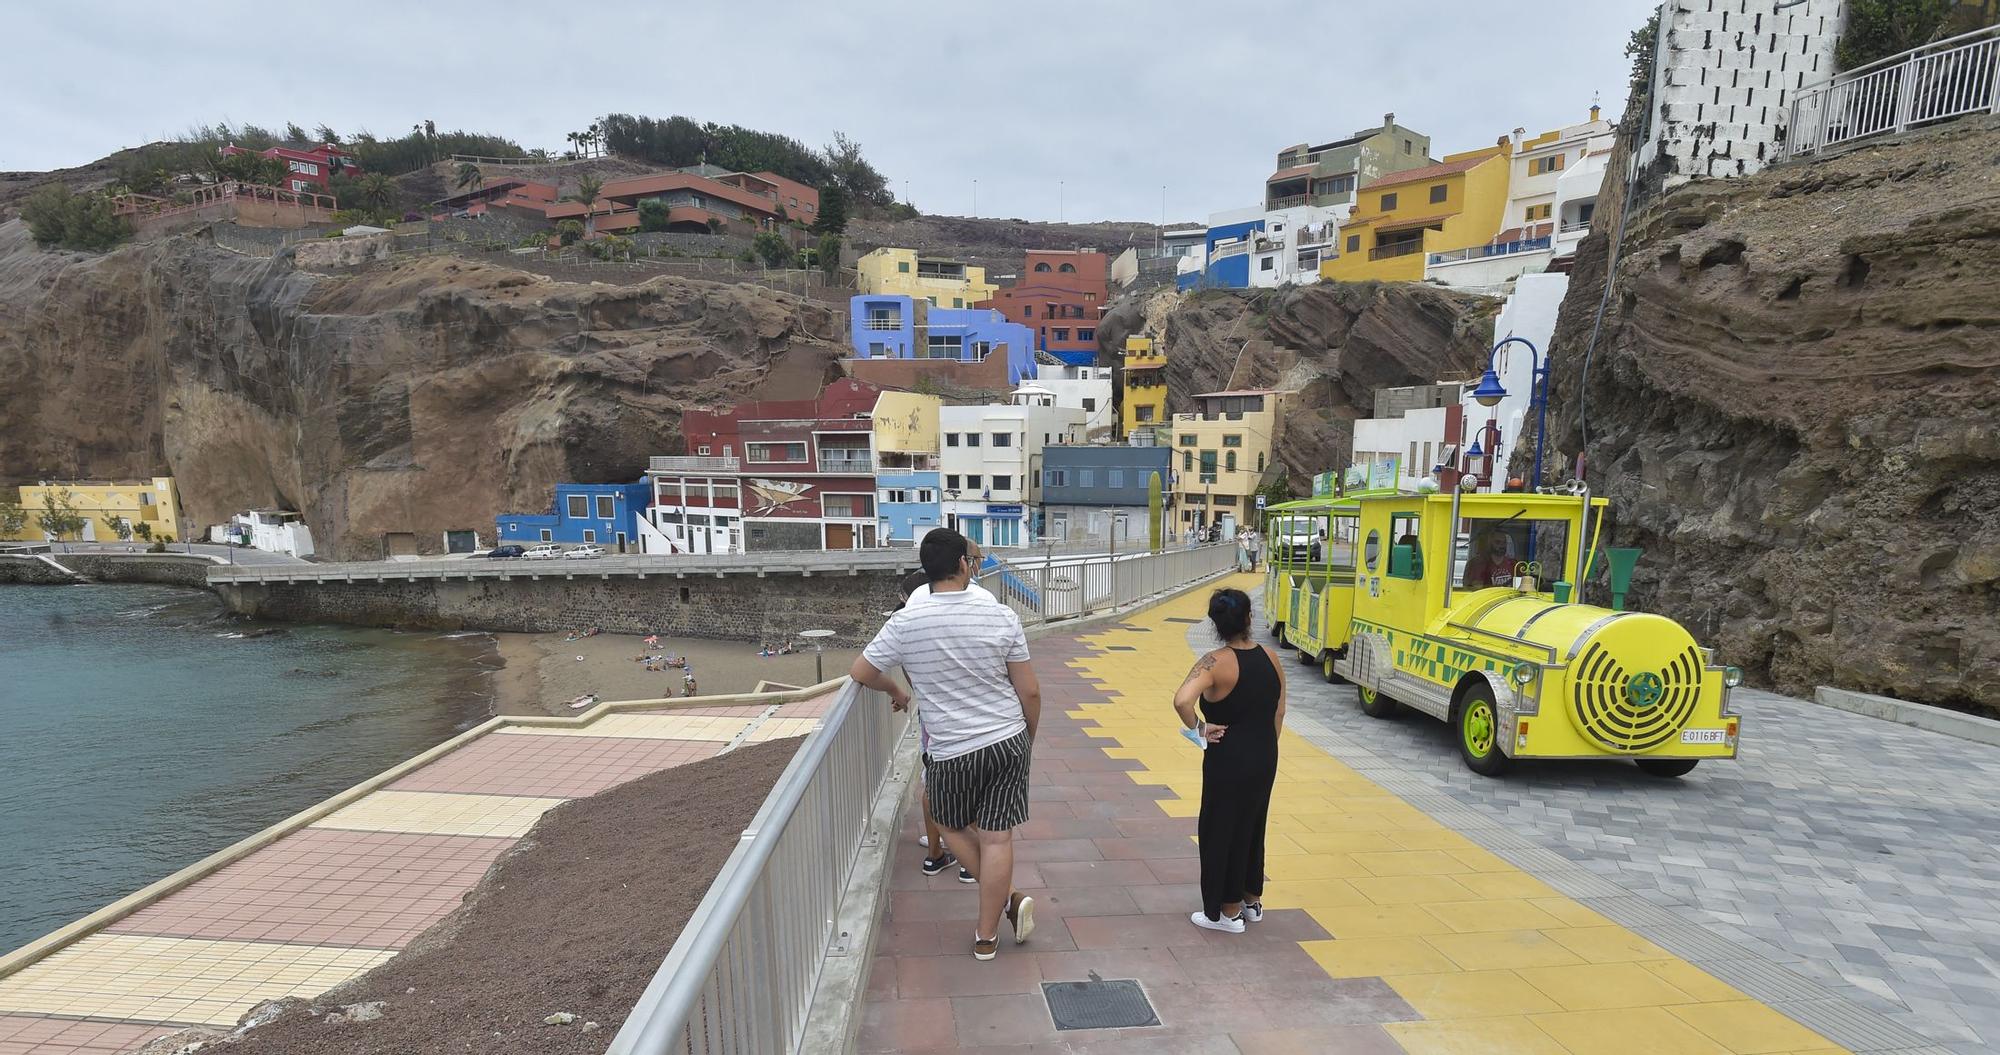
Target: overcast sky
{"points": [[1080, 108]]}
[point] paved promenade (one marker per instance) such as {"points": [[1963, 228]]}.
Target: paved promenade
{"points": [[333, 899], [1416, 908]]}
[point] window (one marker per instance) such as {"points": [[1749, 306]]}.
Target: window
{"points": [[606, 507], [1229, 462], [1552, 163], [1260, 461], [795, 202], [1388, 202], [724, 494], [775, 452], [1055, 477], [1438, 193], [1089, 404], [579, 507], [1028, 312], [1114, 478], [1406, 146], [951, 482], [972, 439], [546, 537], [847, 507], [1042, 266], [1187, 439], [1354, 243], [1406, 551], [1267, 263], [702, 450], [943, 345], [1003, 483], [925, 494], [1187, 461], [895, 496], [1540, 212], [1335, 185], [1060, 333], [667, 492], [1086, 478], [1067, 268], [1145, 412], [1225, 500], [958, 302], [1003, 439], [1234, 439], [1086, 335], [902, 267], [589, 535], [951, 439], [932, 301], [973, 482], [1410, 467], [1208, 466]]}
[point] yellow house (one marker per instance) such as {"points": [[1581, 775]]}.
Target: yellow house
{"points": [[944, 283], [1145, 385], [1221, 452], [104, 505], [1400, 218]]}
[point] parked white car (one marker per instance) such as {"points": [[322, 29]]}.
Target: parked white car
{"points": [[545, 551], [584, 552]]}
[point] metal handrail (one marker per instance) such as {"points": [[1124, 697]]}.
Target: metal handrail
{"points": [[741, 976], [1936, 82]]}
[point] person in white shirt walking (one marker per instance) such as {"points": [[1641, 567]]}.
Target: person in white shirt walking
{"points": [[981, 704]]}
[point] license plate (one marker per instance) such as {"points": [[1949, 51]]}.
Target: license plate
{"points": [[1703, 736]]}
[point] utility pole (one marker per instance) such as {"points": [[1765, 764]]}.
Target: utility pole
{"points": [[975, 199], [1061, 213]]}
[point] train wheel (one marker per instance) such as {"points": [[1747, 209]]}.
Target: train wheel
{"points": [[1326, 670], [1307, 657], [1479, 733], [1667, 767], [1278, 632], [1376, 705]]}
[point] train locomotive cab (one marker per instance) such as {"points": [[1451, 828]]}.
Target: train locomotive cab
{"points": [[1466, 608]]}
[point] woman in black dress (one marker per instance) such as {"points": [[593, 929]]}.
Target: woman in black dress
{"points": [[1241, 691]]}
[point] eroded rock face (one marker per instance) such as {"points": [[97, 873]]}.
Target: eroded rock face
{"points": [[420, 397], [1335, 342], [1795, 408]]}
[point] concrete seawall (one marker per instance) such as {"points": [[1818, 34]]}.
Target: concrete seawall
{"points": [[172, 569], [744, 606]]}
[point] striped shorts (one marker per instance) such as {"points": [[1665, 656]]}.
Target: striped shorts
{"points": [[987, 788]]}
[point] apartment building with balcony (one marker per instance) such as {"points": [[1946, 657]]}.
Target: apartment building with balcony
{"points": [[899, 327], [1222, 452], [1085, 388], [738, 202], [106, 506], [773, 475], [1144, 390], [1098, 492], [1551, 193], [990, 460], [1061, 294], [1404, 220], [939, 281], [606, 515], [906, 467]]}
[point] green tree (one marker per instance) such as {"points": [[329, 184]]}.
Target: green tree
{"points": [[652, 215], [852, 172], [12, 518], [587, 190], [324, 134], [1879, 28], [568, 231], [143, 530], [251, 168], [379, 194], [772, 248], [469, 177], [59, 518], [832, 211], [57, 217], [294, 135], [715, 226], [1639, 48], [120, 527], [827, 255]]}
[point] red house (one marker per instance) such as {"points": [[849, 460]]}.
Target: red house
{"points": [[310, 168], [771, 475], [1061, 294]]}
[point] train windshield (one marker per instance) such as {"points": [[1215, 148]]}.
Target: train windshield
{"points": [[1494, 552]]}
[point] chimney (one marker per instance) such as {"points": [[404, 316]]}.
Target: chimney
{"points": [[1594, 108], [1389, 120]]}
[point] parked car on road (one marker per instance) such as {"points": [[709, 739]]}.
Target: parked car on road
{"points": [[504, 552], [584, 552], [545, 551]]}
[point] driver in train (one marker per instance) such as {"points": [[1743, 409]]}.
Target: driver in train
{"points": [[1490, 564]]}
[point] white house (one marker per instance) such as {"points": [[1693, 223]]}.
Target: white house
{"points": [[1085, 388], [271, 530], [1540, 192], [989, 461]]}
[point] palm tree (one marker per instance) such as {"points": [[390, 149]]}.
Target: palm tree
{"points": [[575, 143], [587, 190], [469, 176], [597, 138], [378, 192]]}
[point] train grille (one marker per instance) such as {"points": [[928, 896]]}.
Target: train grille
{"points": [[1633, 711]]}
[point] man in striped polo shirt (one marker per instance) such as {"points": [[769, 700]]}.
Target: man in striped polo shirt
{"points": [[968, 657]]}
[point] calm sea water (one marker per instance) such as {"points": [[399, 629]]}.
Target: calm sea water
{"points": [[140, 732]]}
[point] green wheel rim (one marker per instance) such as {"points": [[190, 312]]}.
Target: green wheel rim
{"points": [[1326, 666], [1367, 694], [1479, 728]]}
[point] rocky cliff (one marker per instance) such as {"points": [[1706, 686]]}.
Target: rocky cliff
{"points": [[1335, 343], [416, 398], [1794, 407]]}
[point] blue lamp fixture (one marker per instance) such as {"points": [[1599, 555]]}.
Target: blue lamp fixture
{"points": [[1490, 392]]}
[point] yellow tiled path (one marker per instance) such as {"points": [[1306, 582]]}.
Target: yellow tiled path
{"points": [[1495, 960]]}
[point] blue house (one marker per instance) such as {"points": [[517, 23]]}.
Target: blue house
{"points": [[1228, 257], [1098, 492], [906, 502], [896, 326], [605, 514]]}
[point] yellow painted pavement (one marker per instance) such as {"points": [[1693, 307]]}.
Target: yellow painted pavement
{"points": [[1496, 961], [153, 979]]}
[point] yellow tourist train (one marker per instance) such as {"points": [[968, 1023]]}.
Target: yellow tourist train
{"points": [[1465, 607]]}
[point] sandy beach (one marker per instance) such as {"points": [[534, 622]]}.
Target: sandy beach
{"points": [[543, 672]]}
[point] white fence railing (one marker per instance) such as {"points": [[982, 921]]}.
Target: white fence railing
{"points": [[741, 976], [1043, 590], [1950, 78]]}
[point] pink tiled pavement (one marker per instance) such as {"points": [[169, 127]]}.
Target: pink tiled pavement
{"points": [[326, 886], [35, 1035], [551, 766]]}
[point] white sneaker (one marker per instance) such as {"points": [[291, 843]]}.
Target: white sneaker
{"points": [[1227, 924], [924, 841], [1253, 913]]}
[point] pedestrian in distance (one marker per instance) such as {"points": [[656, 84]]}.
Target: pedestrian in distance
{"points": [[980, 708], [1240, 690]]}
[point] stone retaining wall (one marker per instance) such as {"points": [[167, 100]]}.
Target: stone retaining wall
{"points": [[735, 607], [30, 571], [165, 568]]}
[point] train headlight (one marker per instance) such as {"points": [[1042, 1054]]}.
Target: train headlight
{"points": [[1732, 677], [1524, 674]]}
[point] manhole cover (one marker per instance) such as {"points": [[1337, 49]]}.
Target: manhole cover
{"points": [[1098, 1004]]}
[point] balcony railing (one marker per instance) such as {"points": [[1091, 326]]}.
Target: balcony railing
{"points": [[1480, 252], [846, 464], [1950, 78], [1579, 227], [877, 323], [1385, 252], [1288, 201], [1227, 250], [692, 464]]}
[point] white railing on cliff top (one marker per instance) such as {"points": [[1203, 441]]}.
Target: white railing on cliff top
{"points": [[1951, 78]]}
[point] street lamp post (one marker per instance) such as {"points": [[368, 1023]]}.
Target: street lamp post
{"points": [[1488, 455], [1490, 392], [818, 639]]}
